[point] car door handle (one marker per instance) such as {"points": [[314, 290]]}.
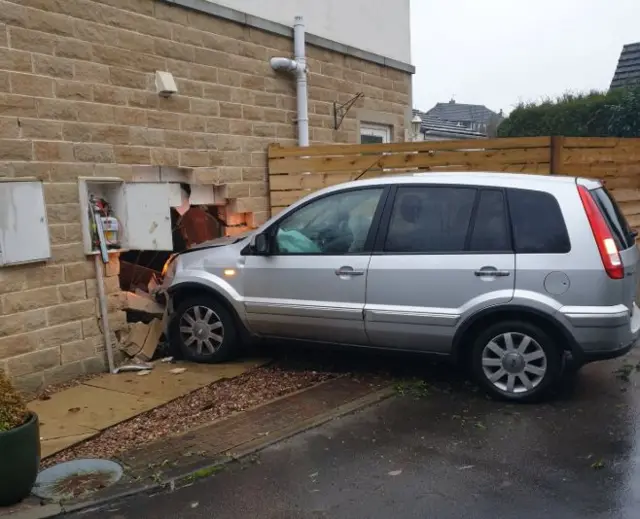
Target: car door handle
{"points": [[491, 272], [349, 271]]}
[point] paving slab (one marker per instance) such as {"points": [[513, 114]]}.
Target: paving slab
{"points": [[49, 447], [75, 414], [53, 428], [161, 384]]}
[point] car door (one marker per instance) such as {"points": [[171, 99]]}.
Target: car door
{"points": [[443, 253], [312, 284]]}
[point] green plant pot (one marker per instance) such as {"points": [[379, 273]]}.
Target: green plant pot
{"points": [[19, 461]]}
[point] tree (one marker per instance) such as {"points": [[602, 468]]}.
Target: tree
{"points": [[597, 114]]}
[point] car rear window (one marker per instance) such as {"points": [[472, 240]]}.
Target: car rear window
{"points": [[538, 224], [618, 225]]}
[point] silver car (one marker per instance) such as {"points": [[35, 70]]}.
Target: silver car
{"points": [[505, 273]]}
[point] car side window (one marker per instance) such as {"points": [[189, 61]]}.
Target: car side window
{"points": [[538, 225], [430, 219], [332, 225], [490, 227]]}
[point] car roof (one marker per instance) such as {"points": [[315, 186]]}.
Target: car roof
{"points": [[480, 178]]}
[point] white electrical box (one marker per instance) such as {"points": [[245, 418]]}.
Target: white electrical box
{"points": [[148, 224], [141, 209], [24, 231]]}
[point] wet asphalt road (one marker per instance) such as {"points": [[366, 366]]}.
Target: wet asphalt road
{"points": [[445, 452]]}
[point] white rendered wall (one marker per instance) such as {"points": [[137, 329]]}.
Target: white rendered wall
{"points": [[378, 26]]}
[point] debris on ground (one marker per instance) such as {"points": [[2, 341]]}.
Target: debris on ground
{"points": [[140, 301], [133, 341], [156, 329], [219, 399], [133, 367], [177, 371], [142, 339]]}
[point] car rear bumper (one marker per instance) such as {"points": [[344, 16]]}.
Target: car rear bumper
{"points": [[603, 333]]}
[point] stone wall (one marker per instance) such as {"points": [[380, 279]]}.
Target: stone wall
{"points": [[77, 98]]}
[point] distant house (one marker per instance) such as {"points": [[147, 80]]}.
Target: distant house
{"points": [[457, 121], [628, 69]]}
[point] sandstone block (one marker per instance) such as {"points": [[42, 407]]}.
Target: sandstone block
{"points": [[33, 41], [57, 234], [70, 312], [44, 276], [17, 60], [94, 113], [194, 158], [64, 373], [33, 362], [28, 84], [73, 90], [11, 149], [53, 151], [165, 157], [57, 109], [94, 153], [22, 322], [20, 106], [90, 72], [73, 292], [79, 350], [9, 128], [69, 48], [132, 155], [38, 129], [79, 271], [68, 253], [51, 66], [77, 132], [30, 300]]}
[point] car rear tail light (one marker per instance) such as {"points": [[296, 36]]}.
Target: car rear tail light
{"points": [[606, 244]]}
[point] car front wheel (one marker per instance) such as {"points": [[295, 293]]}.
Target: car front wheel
{"points": [[204, 330], [516, 361]]}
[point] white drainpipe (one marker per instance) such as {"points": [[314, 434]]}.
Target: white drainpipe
{"points": [[298, 66]]}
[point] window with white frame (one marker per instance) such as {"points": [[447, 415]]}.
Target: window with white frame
{"points": [[374, 133]]}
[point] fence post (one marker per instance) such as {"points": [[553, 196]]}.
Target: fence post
{"points": [[555, 155]]}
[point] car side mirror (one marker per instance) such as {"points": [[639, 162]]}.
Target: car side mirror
{"points": [[261, 244]]}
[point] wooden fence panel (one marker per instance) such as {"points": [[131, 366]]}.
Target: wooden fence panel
{"points": [[614, 161], [296, 172]]}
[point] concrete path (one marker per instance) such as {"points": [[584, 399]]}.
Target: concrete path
{"points": [[78, 413]]}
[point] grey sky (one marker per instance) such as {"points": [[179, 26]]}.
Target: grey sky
{"points": [[500, 52]]}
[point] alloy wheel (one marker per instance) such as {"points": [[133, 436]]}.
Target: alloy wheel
{"points": [[201, 330], [514, 363]]}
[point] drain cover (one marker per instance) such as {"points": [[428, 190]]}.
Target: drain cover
{"points": [[76, 478]]}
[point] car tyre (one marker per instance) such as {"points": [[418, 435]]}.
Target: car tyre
{"points": [[516, 361], [204, 331]]}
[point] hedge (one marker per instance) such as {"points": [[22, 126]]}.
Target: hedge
{"points": [[597, 114]]}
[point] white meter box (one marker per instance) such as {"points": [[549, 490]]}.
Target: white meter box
{"points": [[24, 231], [141, 209]]}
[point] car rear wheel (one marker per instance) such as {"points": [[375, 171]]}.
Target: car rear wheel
{"points": [[516, 361], [204, 330]]}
